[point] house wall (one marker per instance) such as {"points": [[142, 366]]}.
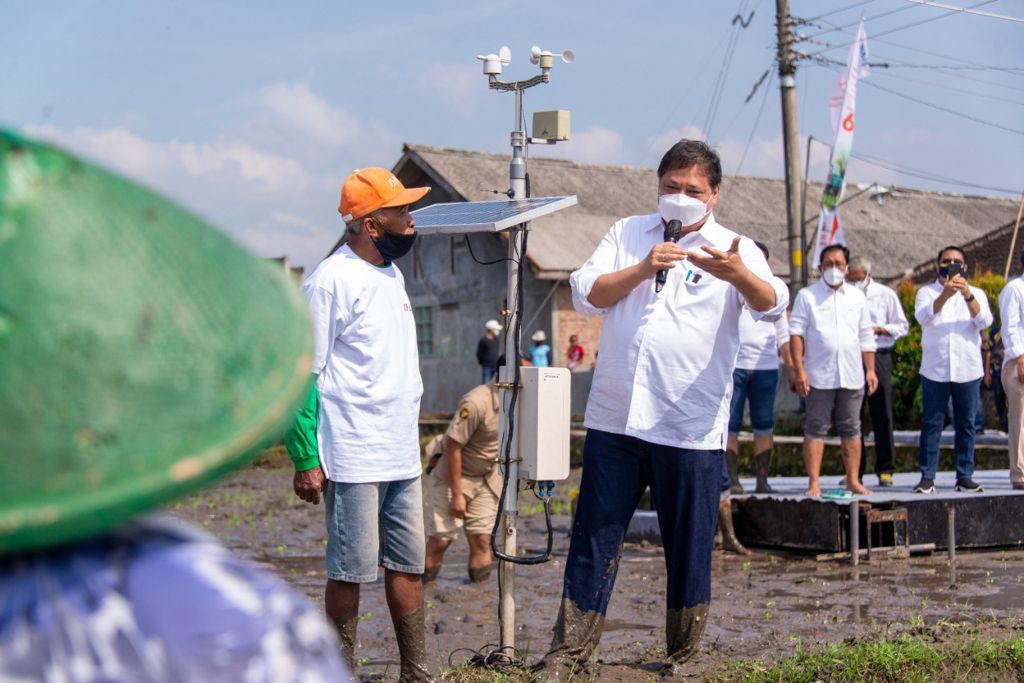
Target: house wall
{"points": [[460, 300]]}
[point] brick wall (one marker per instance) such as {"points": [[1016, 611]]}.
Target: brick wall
{"points": [[565, 321]]}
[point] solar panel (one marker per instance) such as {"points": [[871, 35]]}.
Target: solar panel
{"points": [[490, 216]]}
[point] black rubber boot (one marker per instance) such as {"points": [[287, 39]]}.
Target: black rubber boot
{"points": [[729, 541], [735, 487], [345, 625], [763, 462], [479, 574], [412, 648]]}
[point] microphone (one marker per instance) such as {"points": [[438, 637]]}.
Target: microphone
{"points": [[672, 231]]}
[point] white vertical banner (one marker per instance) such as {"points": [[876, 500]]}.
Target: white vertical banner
{"points": [[842, 105]]}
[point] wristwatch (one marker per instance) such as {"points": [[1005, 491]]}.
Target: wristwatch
{"points": [[969, 299]]}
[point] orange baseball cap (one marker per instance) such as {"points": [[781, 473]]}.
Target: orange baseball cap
{"points": [[369, 189]]}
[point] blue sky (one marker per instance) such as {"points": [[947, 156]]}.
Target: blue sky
{"points": [[252, 113]]}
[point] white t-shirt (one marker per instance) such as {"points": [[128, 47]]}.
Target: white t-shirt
{"points": [[760, 342], [367, 367], [665, 370]]}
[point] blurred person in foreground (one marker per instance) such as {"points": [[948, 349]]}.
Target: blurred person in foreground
{"points": [[136, 371], [1011, 310]]}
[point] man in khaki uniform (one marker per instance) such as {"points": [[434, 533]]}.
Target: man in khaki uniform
{"points": [[463, 489]]}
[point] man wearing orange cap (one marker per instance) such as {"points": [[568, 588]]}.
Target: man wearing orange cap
{"points": [[357, 439]]}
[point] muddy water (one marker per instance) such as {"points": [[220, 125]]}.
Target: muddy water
{"points": [[761, 606]]}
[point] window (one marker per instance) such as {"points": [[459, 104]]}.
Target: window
{"points": [[424, 329]]}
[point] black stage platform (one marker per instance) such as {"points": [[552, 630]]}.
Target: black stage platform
{"points": [[788, 519]]}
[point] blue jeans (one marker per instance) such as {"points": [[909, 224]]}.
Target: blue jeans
{"points": [[685, 487], [934, 398], [759, 387], [487, 373], [374, 524]]}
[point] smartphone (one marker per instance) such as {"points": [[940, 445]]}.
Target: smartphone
{"points": [[955, 269]]}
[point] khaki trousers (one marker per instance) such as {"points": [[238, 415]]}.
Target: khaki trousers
{"points": [[1015, 406]]}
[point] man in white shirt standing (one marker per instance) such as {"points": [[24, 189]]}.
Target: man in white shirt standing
{"points": [[659, 405], [889, 323], [1011, 310], [364, 456], [754, 382], [952, 315], [833, 350]]}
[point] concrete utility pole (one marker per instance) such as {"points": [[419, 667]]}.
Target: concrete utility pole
{"points": [[790, 142]]}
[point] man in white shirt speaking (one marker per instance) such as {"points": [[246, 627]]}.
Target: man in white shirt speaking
{"points": [[889, 323], [952, 315], [1011, 309], [659, 405], [833, 352], [356, 440]]}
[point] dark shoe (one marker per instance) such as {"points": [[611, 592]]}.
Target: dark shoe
{"points": [[729, 541], [885, 479], [762, 463], [1018, 485], [412, 650], [731, 462], [968, 485], [925, 486]]}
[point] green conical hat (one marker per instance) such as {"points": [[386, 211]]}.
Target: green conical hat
{"points": [[142, 353]]}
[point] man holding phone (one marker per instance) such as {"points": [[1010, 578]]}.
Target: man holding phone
{"points": [[951, 313]]}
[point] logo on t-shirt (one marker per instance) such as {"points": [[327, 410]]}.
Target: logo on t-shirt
{"points": [[406, 307]]}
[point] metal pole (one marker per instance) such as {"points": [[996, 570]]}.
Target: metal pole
{"points": [[1013, 240], [791, 142], [854, 532], [510, 509], [803, 211], [951, 533]]}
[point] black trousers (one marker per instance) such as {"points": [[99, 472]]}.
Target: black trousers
{"points": [[879, 406]]}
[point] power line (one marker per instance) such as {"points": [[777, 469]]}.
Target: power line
{"points": [[966, 10], [841, 9], [757, 121], [939, 107], [926, 175], [902, 28], [874, 17]]}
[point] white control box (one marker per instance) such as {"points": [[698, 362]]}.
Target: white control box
{"points": [[544, 417]]}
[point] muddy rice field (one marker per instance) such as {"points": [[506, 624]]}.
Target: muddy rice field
{"points": [[763, 607]]}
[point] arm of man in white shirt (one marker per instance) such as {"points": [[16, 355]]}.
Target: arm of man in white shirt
{"points": [[611, 287], [798, 322], [867, 350], [782, 339], [896, 324], [981, 314], [1011, 307]]}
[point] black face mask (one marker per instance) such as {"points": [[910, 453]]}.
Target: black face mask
{"points": [[392, 246]]}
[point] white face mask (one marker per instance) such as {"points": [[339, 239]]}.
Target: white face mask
{"points": [[683, 208], [862, 285], [834, 276]]}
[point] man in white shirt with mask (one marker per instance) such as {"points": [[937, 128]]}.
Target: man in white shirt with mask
{"points": [[659, 405], [952, 315], [833, 351], [1011, 309], [889, 323]]}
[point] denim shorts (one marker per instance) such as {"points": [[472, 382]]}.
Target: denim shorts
{"points": [[375, 524], [759, 387]]}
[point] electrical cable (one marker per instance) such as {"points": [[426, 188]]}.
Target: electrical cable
{"points": [[841, 9], [902, 28], [757, 121], [873, 17], [723, 72], [939, 107], [469, 245], [926, 175]]}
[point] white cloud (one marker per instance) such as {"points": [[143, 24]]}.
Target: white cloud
{"points": [[459, 84], [159, 163], [660, 143], [596, 144], [301, 110]]}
